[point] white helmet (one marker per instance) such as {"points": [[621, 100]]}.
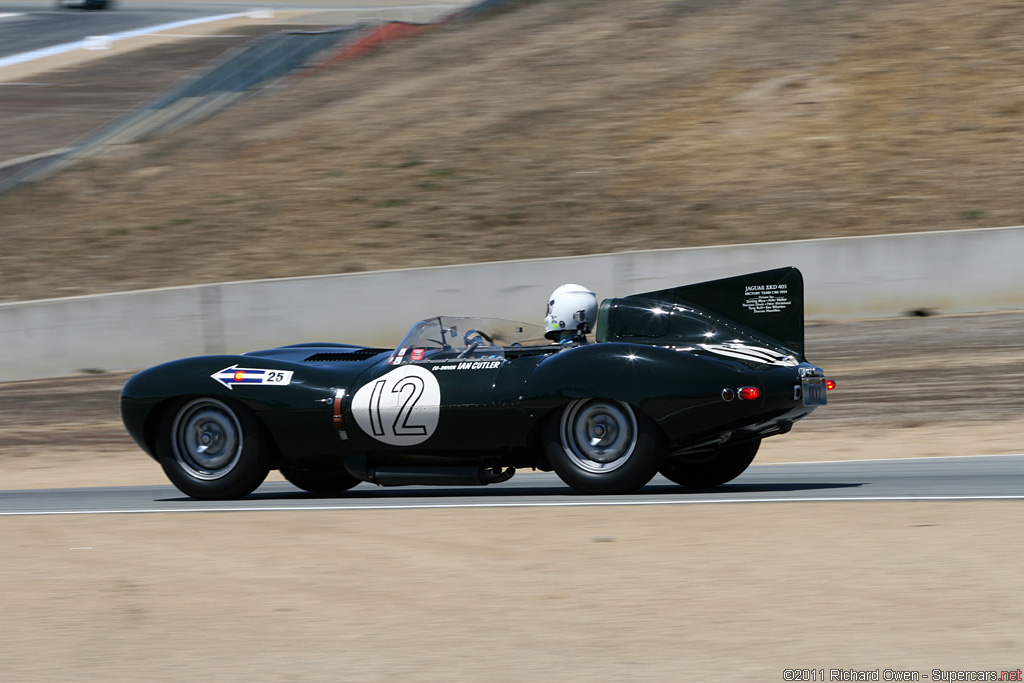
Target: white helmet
{"points": [[572, 310]]}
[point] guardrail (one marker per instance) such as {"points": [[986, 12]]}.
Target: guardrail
{"points": [[857, 277]]}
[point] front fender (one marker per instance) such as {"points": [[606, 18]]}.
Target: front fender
{"points": [[285, 396]]}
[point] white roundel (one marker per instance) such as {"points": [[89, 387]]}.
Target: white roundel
{"points": [[399, 408]]}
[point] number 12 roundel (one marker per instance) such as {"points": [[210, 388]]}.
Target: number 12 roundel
{"points": [[399, 408]]}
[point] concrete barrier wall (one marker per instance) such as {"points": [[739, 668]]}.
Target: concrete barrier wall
{"points": [[862, 277]]}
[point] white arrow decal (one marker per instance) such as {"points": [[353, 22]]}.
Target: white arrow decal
{"points": [[230, 377]]}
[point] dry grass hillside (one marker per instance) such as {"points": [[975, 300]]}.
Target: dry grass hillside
{"points": [[563, 127]]}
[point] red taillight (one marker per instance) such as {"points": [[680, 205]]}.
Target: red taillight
{"points": [[749, 393], [830, 384]]}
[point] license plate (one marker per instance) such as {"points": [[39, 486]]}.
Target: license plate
{"points": [[813, 391]]}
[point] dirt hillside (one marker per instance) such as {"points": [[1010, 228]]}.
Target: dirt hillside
{"points": [[563, 127]]}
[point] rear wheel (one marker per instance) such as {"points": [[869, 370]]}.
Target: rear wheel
{"points": [[211, 449], [603, 446], [720, 467], [320, 482]]}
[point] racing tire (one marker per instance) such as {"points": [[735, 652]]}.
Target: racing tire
{"points": [[320, 482], [722, 466], [603, 447], [212, 449]]}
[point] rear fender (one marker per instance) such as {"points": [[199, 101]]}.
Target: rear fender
{"points": [[680, 391], [661, 382]]}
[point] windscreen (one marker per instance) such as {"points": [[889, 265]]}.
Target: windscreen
{"points": [[478, 337]]}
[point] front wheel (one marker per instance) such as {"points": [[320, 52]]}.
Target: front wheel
{"points": [[213, 450], [320, 482], [720, 467], [603, 446]]}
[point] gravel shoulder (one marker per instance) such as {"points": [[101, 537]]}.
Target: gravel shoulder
{"points": [[589, 594]]}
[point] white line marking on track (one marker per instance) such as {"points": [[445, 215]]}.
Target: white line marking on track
{"points": [[203, 35], [388, 8], [437, 506], [79, 44], [925, 457]]}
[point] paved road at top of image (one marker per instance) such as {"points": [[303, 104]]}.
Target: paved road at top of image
{"points": [[38, 26], [33, 27], [961, 478]]}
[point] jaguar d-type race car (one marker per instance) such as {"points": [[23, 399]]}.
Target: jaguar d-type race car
{"points": [[683, 381]]}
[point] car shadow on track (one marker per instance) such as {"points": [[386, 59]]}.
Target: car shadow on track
{"points": [[286, 492]]}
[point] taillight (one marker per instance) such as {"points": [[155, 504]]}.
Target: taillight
{"points": [[728, 394], [749, 393], [830, 384]]}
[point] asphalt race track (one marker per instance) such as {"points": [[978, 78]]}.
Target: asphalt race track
{"points": [[959, 478], [29, 27], [40, 26]]}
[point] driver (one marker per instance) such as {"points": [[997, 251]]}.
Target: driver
{"points": [[572, 310]]}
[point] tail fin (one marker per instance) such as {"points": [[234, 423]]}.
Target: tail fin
{"points": [[769, 304]]}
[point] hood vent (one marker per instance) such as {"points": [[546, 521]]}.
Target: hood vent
{"points": [[361, 354]]}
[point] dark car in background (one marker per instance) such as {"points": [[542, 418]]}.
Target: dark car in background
{"points": [[85, 4]]}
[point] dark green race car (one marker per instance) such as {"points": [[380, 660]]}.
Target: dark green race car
{"points": [[683, 381]]}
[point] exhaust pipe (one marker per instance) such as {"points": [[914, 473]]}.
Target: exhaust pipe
{"points": [[411, 475]]}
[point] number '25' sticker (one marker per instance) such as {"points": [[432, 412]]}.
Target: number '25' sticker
{"points": [[399, 408], [236, 376]]}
